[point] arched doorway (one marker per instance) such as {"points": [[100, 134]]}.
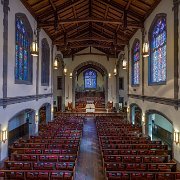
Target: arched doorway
{"points": [[136, 114], [21, 125], [101, 88], [159, 127], [45, 113]]}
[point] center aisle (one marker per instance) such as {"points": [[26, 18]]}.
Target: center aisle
{"points": [[89, 165]]}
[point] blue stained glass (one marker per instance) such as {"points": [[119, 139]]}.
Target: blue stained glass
{"points": [[136, 64], [22, 51], [158, 51], [90, 79]]}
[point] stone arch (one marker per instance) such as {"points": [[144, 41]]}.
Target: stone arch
{"points": [[152, 111], [94, 65], [48, 111], [21, 124], [131, 111]]}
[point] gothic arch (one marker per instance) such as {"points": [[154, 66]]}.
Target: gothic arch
{"points": [[94, 65]]}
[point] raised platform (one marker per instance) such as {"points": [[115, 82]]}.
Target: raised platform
{"points": [[95, 114]]}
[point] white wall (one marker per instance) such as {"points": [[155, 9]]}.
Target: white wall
{"points": [[15, 90], [167, 90], [123, 73], [72, 64], [163, 122], [56, 73]]}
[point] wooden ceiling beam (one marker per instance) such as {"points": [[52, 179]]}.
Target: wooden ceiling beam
{"points": [[88, 45], [133, 24], [90, 39]]}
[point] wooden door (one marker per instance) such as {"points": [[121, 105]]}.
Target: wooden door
{"points": [[59, 103]]}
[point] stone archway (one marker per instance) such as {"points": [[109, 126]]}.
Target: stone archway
{"points": [[158, 125], [94, 65], [135, 114]]}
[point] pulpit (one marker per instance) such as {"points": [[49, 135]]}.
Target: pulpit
{"points": [[90, 108]]}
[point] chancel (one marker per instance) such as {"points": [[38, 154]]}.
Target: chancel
{"points": [[89, 89]]}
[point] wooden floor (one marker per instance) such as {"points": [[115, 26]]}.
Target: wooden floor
{"points": [[89, 165]]}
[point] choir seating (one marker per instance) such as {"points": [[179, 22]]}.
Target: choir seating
{"points": [[129, 155], [50, 155]]}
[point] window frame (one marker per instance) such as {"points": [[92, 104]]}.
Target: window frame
{"points": [[132, 63], [85, 78], [45, 62], [150, 73], [29, 32], [61, 86], [122, 82]]}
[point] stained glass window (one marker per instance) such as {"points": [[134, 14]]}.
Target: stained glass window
{"points": [[158, 51], [90, 79], [136, 63], [45, 60], [23, 56]]}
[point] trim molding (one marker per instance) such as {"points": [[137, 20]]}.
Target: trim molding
{"points": [[6, 8], [176, 53], [20, 99], [166, 101]]}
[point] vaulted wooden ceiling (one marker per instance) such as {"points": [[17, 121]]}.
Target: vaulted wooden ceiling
{"points": [[106, 25]]}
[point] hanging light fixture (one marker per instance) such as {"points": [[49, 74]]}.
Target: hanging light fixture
{"points": [[34, 45], [109, 75], [115, 70], [56, 63], [70, 75], [145, 50], [65, 70], [124, 63]]}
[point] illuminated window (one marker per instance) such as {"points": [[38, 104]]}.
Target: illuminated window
{"points": [[158, 39], [136, 63], [23, 59], [90, 79]]}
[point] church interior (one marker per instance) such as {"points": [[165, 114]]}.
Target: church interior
{"points": [[90, 89]]}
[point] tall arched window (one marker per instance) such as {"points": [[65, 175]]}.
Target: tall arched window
{"points": [[158, 37], [90, 79], [23, 59], [45, 61], [136, 63]]}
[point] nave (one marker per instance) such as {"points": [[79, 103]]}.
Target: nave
{"points": [[86, 148]]}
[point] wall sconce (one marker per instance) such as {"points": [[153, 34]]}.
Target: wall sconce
{"points": [[115, 71], [56, 63], [70, 75], [176, 137], [124, 64], [52, 109], [127, 109], [34, 45], [143, 119], [4, 136], [109, 75], [145, 50], [36, 118], [65, 70]]}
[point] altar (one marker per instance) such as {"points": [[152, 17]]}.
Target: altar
{"points": [[90, 108]]}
